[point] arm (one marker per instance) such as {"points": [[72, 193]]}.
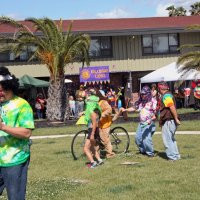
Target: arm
{"points": [[18, 132], [175, 115], [131, 109], [108, 110]]}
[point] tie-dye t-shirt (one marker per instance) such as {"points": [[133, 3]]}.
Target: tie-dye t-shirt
{"points": [[147, 111], [168, 100], [15, 113]]}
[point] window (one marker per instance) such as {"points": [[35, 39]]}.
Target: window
{"points": [[100, 47], [160, 43]]}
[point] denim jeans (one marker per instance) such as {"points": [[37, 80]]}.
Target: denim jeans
{"points": [[79, 107], [14, 179], [168, 135], [143, 138], [39, 113]]}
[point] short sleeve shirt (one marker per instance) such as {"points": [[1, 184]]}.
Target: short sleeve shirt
{"points": [[15, 113], [147, 111], [168, 100]]}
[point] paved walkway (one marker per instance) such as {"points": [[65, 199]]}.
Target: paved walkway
{"points": [[130, 133]]}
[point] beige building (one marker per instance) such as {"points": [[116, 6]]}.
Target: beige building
{"points": [[133, 46]]}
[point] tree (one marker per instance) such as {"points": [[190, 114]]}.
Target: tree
{"points": [[181, 11], [195, 9], [174, 12], [191, 59], [53, 48]]}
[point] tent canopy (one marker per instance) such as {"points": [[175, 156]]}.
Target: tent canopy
{"points": [[29, 81], [169, 73]]}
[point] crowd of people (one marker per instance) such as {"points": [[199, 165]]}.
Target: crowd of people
{"points": [[152, 104], [77, 102], [97, 106]]}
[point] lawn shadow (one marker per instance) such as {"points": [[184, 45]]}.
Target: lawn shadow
{"points": [[161, 155]]}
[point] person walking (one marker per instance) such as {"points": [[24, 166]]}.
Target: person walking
{"points": [[92, 116], [168, 121], [105, 124], [15, 130]]}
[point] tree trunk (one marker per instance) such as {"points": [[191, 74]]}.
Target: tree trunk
{"points": [[56, 102]]}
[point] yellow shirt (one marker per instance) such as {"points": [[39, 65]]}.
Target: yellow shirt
{"points": [[106, 119]]}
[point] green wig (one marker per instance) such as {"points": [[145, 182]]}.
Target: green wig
{"points": [[91, 106]]}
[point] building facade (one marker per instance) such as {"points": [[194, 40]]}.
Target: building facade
{"points": [[133, 46]]}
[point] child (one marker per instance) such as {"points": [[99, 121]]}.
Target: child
{"points": [[92, 116], [72, 106]]}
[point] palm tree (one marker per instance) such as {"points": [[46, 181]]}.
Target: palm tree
{"points": [[191, 59], [53, 48], [181, 11], [174, 12], [195, 9]]}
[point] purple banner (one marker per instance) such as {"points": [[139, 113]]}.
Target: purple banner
{"points": [[90, 74]]}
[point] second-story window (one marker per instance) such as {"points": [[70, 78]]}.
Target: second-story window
{"points": [[100, 47], [160, 44]]}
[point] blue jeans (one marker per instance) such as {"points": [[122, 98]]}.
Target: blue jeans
{"points": [[79, 107], [39, 113], [143, 138], [168, 135], [14, 179]]}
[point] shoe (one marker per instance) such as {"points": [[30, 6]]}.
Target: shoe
{"points": [[93, 164], [100, 162], [110, 155]]}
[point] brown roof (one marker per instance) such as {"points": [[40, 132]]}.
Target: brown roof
{"points": [[122, 24]]}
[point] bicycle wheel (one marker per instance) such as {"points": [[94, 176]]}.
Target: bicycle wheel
{"points": [[119, 139], [77, 144]]}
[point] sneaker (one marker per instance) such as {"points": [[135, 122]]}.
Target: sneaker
{"points": [[100, 162], [93, 164]]}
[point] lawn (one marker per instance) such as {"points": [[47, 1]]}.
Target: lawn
{"points": [[54, 175], [189, 122]]}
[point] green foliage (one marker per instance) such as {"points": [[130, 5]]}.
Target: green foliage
{"points": [[54, 47], [191, 59], [181, 11]]}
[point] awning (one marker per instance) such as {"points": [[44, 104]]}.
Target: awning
{"points": [[169, 73], [29, 81]]}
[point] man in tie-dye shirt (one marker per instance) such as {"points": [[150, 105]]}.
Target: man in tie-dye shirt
{"points": [[16, 125], [168, 121]]}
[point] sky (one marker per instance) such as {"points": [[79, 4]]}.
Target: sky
{"points": [[88, 9]]}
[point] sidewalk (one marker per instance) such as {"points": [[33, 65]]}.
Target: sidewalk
{"points": [[130, 133]]}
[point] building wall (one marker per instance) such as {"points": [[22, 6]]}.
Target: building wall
{"points": [[127, 56]]}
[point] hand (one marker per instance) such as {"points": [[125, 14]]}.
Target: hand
{"points": [[122, 109], [178, 122]]}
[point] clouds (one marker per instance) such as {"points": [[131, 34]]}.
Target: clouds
{"points": [[115, 13], [161, 7]]}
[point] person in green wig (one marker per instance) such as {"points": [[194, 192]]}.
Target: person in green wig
{"points": [[92, 116]]}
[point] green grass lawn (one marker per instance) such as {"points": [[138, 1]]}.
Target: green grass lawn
{"points": [[54, 175], [189, 122]]}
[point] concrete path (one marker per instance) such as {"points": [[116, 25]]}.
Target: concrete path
{"points": [[130, 133]]}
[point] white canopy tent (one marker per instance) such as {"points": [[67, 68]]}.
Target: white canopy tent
{"points": [[169, 73]]}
